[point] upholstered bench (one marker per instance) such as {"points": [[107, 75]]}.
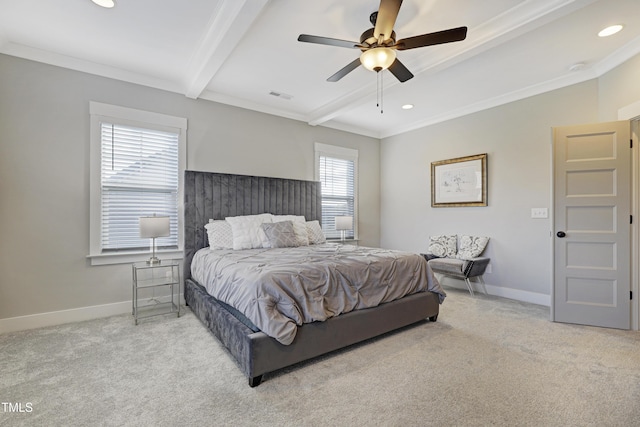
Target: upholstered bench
{"points": [[460, 260], [464, 269]]}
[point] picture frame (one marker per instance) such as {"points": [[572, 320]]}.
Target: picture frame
{"points": [[459, 182]]}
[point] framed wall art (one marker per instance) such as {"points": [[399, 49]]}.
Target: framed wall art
{"points": [[459, 182]]}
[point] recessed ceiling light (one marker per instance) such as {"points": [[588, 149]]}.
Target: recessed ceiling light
{"points": [[577, 66], [407, 106], [610, 30], [105, 3]]}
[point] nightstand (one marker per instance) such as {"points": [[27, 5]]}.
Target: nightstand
{"points": [[353, 242], [151, 276]]}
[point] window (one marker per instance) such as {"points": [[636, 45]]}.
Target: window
{"points": [[337, 170], [137, 163]]}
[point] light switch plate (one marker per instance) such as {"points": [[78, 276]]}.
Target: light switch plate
{"points": [[539, 213]]}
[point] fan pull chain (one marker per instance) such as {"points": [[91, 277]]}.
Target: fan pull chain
{"points": [[379, 91]]}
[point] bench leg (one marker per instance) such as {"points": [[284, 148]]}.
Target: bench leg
{"points": [[481, 279], [468, 282], [470, 287]]}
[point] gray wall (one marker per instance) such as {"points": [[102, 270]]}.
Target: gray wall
{"points": [[517, 138], [44, 176], [618, 88]]}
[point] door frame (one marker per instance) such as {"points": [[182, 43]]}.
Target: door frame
{"points": [[632, 113]]}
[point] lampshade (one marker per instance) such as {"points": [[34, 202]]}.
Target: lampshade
{"points": [[154, 226], [344, 222], [378, 58]]}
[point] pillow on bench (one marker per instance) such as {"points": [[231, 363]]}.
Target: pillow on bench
{"points": [[446, 246], [471, 247], [443, 246]]}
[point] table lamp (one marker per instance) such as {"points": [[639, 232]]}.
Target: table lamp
{"points": [[152, 227], [344, 223]]}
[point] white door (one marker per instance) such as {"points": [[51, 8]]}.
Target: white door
{"points": [[592, 231]]}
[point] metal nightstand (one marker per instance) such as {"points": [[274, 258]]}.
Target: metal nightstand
{"points": [[145, 276]]}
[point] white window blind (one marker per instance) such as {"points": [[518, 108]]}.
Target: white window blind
{"points": [[338, 175], [139, 177]]}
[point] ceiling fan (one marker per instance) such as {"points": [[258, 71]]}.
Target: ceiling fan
{"points": [[379, 45]]}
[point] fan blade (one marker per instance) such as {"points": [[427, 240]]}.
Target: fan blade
{"points": [[387, 14], [327, 41], [440, 37], [344, 71], [401, 72]]}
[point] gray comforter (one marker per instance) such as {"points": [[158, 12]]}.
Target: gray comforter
{"points": [[279, 289]]}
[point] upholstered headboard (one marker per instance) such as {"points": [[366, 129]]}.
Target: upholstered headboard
{"points": [[209, 195]]}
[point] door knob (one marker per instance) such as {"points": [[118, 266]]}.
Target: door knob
{"points": [[561, 234]]}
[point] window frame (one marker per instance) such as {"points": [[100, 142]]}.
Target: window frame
{"points": [[99, 113], [343, 153]]}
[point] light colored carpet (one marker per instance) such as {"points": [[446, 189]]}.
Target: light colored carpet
{"points": [[486, 361]]}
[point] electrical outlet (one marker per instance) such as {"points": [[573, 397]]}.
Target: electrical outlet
{"points": [[539, 213]]}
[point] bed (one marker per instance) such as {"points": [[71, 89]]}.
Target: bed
{"points": [[209, 196]]}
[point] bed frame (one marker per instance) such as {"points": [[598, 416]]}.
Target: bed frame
{"points": [[215, 195]]}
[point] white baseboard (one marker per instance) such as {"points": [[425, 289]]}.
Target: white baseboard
{"points": [[40, 320], [499, 291], [520, 295]]}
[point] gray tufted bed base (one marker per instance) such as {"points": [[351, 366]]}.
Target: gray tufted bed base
{"points": [[213, 195]]}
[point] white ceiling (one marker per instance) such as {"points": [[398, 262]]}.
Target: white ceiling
{"points": [[238, 51]]}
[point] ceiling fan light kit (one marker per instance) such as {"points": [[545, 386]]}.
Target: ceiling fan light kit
{"points": [[377, 59]]}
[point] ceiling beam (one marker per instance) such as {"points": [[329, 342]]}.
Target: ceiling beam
{"points": [[230, 22]]}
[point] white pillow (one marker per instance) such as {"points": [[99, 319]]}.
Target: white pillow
{"points": [[299, 227], [471, 246], [443, 246], [316, 235], [219, 234], [247, 233]]}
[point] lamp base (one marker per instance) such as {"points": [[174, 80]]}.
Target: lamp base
{"points": [[153, 260]]}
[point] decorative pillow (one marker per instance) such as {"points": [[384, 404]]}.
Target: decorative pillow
{"points": [[443, 246], [299, 227], [471, 247], [219, 234], [247, 233], [280, 234], [316, 235]]}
